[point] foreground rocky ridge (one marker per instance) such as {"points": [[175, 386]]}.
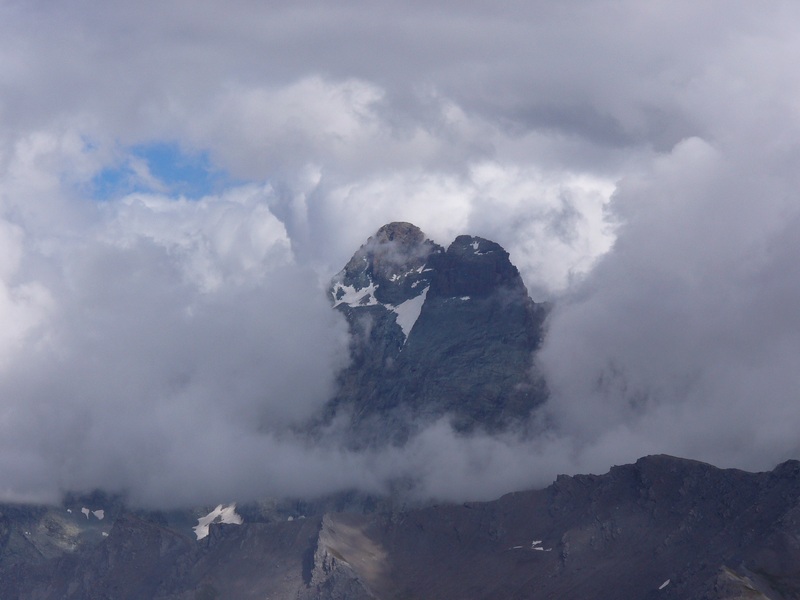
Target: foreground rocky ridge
{"points": [[661, 528]]}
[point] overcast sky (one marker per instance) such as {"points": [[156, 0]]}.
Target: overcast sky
{"points": [[179, 179]]}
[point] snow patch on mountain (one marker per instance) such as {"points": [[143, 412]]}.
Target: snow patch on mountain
{"points": [[408, 311], [347, 294], [99, 514], [400, 276], [476, 248], [537, 545], [222, 514]]}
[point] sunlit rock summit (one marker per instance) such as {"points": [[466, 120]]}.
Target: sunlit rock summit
{"points": [[435, 333]]}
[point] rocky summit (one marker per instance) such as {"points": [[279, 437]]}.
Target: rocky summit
{"points": [[435, 333]]}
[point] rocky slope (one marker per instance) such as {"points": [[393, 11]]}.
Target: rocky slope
{"points": [[661, 528], [435, 333]]}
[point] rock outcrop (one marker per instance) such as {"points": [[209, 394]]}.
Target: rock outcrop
{"points": [[660, 528], [435, 334]]}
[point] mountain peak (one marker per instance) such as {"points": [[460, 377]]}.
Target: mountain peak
{"points": [[475, 267], [435, 333], [401, 232], [388, 269]]}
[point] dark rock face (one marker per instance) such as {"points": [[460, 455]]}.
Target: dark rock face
{"points": [[474, 267], [393, 261], [141, 559], [435, 333], [661, 528]]}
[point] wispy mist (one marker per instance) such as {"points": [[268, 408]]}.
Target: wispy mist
{"points": [[643, 177]]}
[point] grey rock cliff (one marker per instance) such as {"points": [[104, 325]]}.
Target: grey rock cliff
{"points": [[435, 334], [660, 528]]}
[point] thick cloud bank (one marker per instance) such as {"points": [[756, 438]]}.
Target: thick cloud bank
{"points": [[684, 338], [167, 339], [178, 180]]}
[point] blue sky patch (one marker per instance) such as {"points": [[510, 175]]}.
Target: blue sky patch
{"points": [[160, 167]]}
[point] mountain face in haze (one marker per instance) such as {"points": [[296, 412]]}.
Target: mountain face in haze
{"points": [[435, 333], [662, 528]]}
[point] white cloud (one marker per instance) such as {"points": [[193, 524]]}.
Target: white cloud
{"points": [[146, 327], [553, 225], [682, 339], [132, 325], [233, 238]]}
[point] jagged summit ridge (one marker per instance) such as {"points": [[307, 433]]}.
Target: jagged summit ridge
{"points": [[389, 268], [435, 333], [475, 267]]}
